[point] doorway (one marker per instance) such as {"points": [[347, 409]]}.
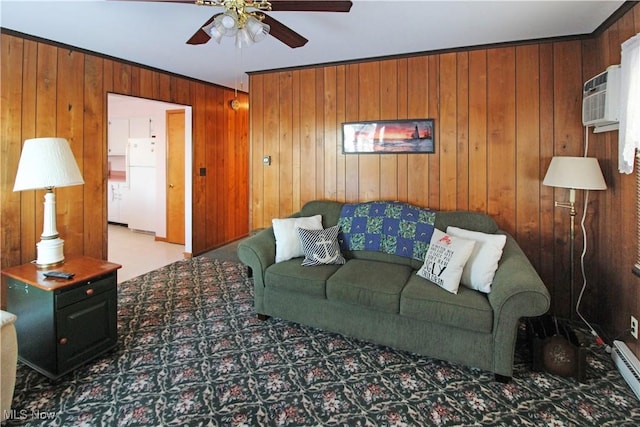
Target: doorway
{"points": [[148, 118]]}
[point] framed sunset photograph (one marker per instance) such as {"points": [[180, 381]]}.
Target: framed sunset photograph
{"points": [[388, 136]]}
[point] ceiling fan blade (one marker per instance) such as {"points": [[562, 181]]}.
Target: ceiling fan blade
{"points": [[283, 33], [201, 36], [310, 6]]}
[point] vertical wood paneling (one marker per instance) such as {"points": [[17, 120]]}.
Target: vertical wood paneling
{"points": [[285, 148], [448, 132], [94, 153], [341, 169], [308, 162], [70, 119], [271, 143], [462, 131], [528, 148], [547, 266], [256, 124], [199, 118], [54, 91], [501, 172], [295, 149], [28, 232], [478, 130], [318, 142], [330, 145], [12, 51]]}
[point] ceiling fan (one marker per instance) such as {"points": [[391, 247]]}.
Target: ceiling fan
{"points": [[248, 22]]}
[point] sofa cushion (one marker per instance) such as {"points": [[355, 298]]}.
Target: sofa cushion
{"points": [[292, 276], [369, 283], [468, 309]]}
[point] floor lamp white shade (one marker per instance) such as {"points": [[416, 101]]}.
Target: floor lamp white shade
{"points": [[574, 173], [46, 163], [579, 173]]}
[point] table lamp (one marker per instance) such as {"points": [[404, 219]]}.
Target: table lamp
{"points": [[46, 163], [574, 173]]}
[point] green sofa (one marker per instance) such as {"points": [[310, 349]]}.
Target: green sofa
{"points": [[381, 299]]}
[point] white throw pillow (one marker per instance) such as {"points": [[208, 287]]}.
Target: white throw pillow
{"points": [[286, 231], [445, 260], [479, 271]]}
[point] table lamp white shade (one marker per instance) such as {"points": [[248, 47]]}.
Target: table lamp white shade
{"points": [[47, 163], [580, 173]]}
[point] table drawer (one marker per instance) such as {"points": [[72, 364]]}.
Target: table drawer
{"points": [[92, 287]]}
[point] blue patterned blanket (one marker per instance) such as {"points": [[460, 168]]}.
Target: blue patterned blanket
{"points": [[391, 227]]}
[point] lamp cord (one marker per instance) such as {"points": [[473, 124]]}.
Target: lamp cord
{"points": [[598, 339], [582, 270]]}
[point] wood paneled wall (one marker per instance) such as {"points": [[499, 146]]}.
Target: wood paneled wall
{"points": [[615, 289], [50, 90], [500, 115]]}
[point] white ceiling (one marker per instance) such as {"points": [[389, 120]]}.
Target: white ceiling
{"points": [[154, 34]]}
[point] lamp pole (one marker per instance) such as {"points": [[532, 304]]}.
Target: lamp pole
{"points": [[571, 205]]}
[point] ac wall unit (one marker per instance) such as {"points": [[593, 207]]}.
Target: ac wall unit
{"points": [[627, 364], [601, 100]]}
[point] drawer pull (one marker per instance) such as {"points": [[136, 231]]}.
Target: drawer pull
{"points": [[89, 291], [63, 341]]}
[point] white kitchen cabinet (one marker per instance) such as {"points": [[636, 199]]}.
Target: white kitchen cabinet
{"points": [[121, 129], [117, 193], [118, 136]]}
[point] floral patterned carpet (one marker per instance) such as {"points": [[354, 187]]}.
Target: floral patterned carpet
{"points": [[191, 352]]}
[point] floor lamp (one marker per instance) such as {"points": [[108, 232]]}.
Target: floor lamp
{"points": [[46, 163], [574, 173]]}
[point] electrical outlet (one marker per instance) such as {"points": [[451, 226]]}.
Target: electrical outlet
{"points": [[634, 327]]}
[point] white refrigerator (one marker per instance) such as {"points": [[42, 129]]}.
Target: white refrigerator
{"points": [[141, 176]]}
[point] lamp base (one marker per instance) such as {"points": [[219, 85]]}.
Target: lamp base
{"points": [[50, 253]]}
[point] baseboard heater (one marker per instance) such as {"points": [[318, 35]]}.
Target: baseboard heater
{"points": [[628, 365]]}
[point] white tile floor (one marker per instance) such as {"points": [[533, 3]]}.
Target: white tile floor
{"points": [[138, 252]]}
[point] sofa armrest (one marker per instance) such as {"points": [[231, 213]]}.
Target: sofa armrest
{"points": [[517, 291], [258, 253], [517, 282]]}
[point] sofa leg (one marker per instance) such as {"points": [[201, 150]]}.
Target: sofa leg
{"points": [[262, 317], [502, 379]]}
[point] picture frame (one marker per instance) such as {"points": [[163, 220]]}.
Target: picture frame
{"points": [[388, 136]]}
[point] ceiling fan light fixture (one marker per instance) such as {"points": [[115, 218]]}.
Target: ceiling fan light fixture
{"points": [[229, 20], [213, 31], [243, 38], [257, 29]]}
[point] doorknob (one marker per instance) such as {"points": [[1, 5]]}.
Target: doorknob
{"points": [[170, 185]]}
